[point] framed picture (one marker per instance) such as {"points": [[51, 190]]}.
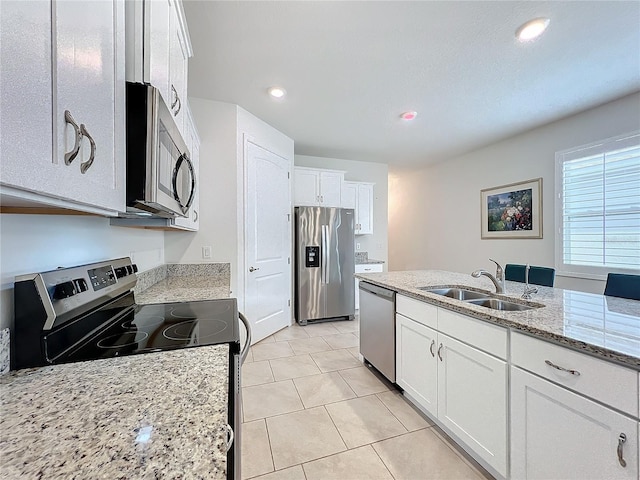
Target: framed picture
{"points": [[512, 211]]}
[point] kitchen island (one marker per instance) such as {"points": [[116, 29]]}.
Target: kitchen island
{"points": [[153, 415], [551, 391], [607, 327]]}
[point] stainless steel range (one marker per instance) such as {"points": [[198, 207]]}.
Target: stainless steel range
{"points": [[89, 312]]}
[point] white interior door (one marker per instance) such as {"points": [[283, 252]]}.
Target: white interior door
{"points": [[268, 242]]}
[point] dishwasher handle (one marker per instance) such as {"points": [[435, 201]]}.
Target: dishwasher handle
{"points": [[379, 291]]}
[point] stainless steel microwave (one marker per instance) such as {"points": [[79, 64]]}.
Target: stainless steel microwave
{"points": [[160, 176]]}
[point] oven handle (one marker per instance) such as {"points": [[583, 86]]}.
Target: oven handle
{"points": [[247, 344], [174, 181]]}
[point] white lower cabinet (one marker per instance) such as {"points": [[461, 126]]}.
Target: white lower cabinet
{"points": [[416, 368], [461, 386], [365, 268], [472, 399], [558, 434]]}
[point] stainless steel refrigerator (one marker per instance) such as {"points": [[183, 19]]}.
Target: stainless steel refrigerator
{"points": [[325, 263]]}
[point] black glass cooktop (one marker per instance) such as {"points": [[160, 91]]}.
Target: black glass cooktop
{"points": [[134, 329]]}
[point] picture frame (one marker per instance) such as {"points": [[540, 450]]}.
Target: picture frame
{"points": [[512, 211]]}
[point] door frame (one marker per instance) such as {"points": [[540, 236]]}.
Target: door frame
{"points": [[242, 173]]}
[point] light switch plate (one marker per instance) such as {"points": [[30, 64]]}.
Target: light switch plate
{"points": [[206, 252]]}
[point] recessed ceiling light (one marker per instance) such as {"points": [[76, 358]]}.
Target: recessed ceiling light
{"points": [[277, 92], [532, 29], [409, 115]]}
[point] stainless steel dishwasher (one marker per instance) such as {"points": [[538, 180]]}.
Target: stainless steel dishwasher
{"points": [[377, 328]]}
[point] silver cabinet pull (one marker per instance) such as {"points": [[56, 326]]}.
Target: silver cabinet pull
{"points": [[229, 437], [251, 269], [621, 441], [179, 107], [84, 166], [175, 97], [69, 156], [195, 215], [176, 101], [562, 369], [433, 342], [440, 348]]}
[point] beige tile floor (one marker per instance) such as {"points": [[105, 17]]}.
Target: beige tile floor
{"points": [[313, 411]]}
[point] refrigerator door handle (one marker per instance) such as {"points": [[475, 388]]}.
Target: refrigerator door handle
{"points": [[323, 253]]}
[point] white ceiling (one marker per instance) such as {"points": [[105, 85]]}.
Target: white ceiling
{"points": [[351, 68]]}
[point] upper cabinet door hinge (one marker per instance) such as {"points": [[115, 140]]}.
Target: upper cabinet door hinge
{"points": [[288, 217], [288, 174], [288, 260], [289, 303]]}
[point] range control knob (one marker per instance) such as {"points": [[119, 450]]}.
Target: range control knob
{"points": [[121, 272], [135, 268], [64, 290], [81, 285]]}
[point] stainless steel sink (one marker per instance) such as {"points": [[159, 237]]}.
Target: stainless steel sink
{"points": [[457, 293], [497, 304]]}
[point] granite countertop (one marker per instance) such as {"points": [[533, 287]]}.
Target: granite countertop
{"points": [[157, 415], [607, 327], [368, 261]]}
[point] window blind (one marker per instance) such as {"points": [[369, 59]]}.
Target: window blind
{"points": [[600, 206]]}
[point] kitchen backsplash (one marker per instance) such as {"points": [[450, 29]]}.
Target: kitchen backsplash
{"points": [[362, 257]]}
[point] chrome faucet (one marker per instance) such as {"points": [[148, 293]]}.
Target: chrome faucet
{"points": [[498, 280], [527, 289]]}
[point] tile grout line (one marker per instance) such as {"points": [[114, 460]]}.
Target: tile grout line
{"points": [[382, 460]]}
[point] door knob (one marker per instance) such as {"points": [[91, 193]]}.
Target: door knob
{"points": [[251, 269]]}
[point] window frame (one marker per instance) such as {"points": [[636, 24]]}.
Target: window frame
{"points": [[594, 148]]}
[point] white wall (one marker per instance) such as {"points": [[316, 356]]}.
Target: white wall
{"points": [[223, 128], [434, 213], [216, 123], [36, 243], [356, 171]]}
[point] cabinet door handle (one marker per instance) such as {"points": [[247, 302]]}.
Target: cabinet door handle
{"points": [[439, 349], [175, 97], [229, 437], [195, 215], [562, 369], [621, 441], [179, 106], [84, 166], [433, 342], [70, 156], [251, 269]]}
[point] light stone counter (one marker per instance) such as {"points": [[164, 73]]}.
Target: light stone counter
{"points": [[607, 327], [157, 415]]}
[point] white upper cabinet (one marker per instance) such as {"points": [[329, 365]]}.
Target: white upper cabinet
{"points": [[317, 187], [63, 85], [158, 50], [359, 196]]}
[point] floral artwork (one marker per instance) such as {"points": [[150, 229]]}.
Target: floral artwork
{"points": [[512, 211]]}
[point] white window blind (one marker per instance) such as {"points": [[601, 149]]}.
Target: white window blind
{"points": [[598, 209]]}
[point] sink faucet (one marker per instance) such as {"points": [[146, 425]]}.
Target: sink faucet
{"points": [[527, 289], [498, 280]]}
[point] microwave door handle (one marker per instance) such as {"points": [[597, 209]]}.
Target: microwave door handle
{"points": [[183, 158]]}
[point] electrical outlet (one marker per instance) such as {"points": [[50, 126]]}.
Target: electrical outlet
{"points": [[358, 246], [206, 252]]}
